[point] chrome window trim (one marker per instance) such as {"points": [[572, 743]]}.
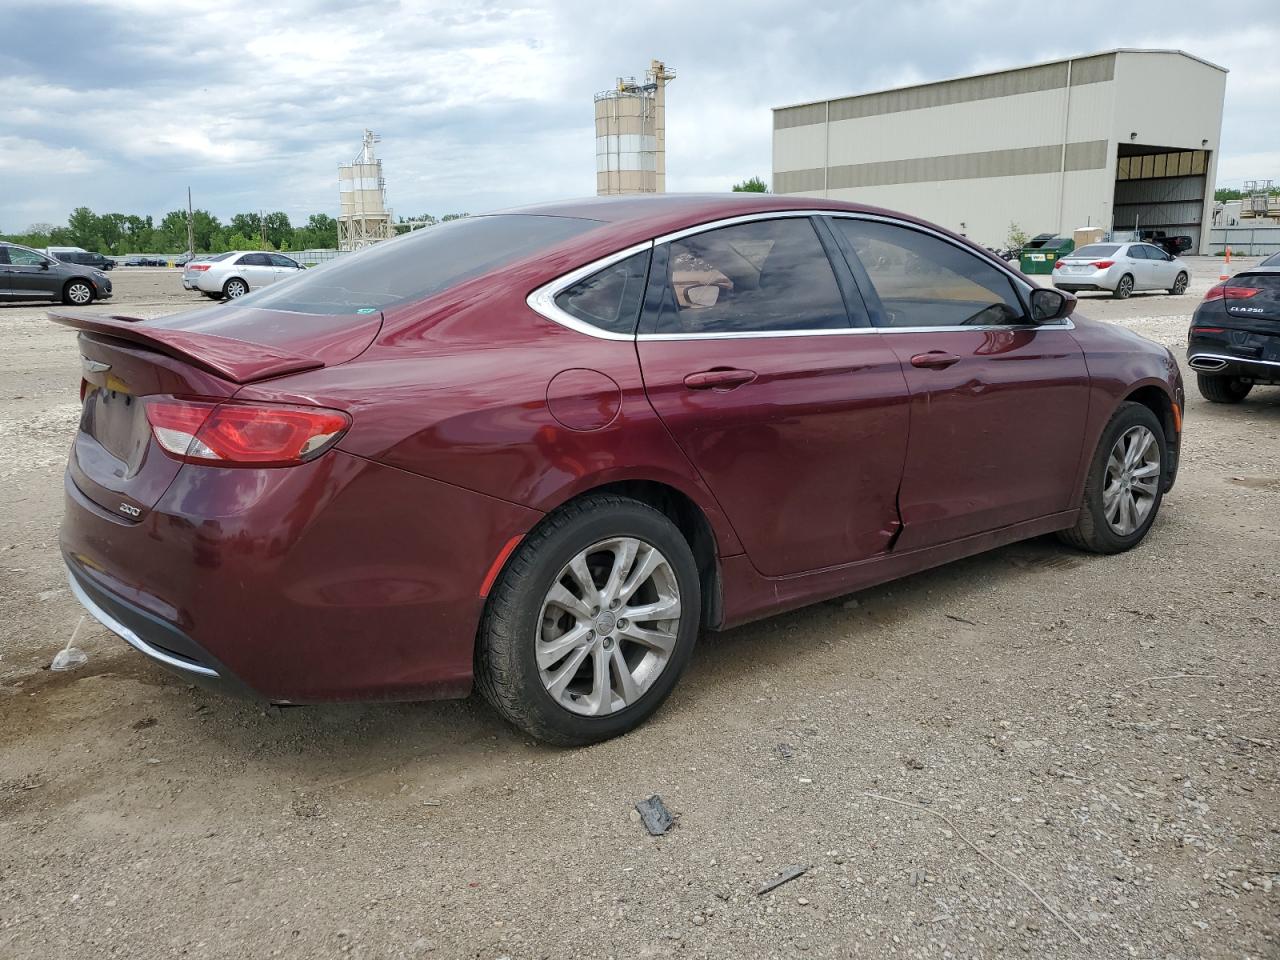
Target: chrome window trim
{"points": [[542, 300], [129, 637]]}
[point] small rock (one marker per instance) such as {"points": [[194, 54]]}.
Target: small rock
{"points": [[654, 814]]}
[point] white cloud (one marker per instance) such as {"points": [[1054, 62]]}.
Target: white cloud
{"points": [[485, 103]]}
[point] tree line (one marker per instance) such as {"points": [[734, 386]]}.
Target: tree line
{"points": [[116, 234]]}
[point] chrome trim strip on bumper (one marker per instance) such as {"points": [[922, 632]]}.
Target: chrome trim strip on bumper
{"points": [[129, 637], [1191, 360]]}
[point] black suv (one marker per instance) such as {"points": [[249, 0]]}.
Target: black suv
{"points": [[27, 274], [86, 259], [1234, 341]]}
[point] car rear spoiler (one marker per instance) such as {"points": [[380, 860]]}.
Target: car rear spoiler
{"points": [[236, 360]]}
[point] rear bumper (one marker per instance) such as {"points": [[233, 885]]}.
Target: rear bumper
{"points": [[339, 579], [150, 635], [1248, 354]]}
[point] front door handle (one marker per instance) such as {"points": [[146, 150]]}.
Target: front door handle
{"points": [[934, 360], [721, 378]]}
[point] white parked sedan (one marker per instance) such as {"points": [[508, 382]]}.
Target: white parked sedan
{"points": [[234, 274], [1121, 268]]}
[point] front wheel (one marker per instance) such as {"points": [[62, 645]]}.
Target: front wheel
{"points": [[235, 288], [591, 622], [1222, 389], [1125, 486], [1123, 288], [77, 293], [1179, 285]]}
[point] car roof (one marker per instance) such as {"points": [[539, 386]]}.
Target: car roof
{"points": [[678, 209]]}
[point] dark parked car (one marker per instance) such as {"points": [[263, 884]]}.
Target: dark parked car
{"points": [[1234, 340], [27, 274], [86, 259], [145, 262], [541, 450]]}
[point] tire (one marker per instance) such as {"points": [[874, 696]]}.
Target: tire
{"points": [[1123, 288], [1093, 530], [1222, 389], [77, 293], [1180, 283], [522, 621], [234, 289]]}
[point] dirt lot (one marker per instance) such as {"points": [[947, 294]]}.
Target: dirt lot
{"points": [[1100, 735]]}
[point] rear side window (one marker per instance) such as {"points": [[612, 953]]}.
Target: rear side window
{"points": [[417, 265], [611, 298], [925, 281], [766, 276]]}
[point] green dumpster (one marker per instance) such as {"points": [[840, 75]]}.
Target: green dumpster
{"points": [[1043, 251]]}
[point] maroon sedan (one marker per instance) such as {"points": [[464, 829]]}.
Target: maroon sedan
{"points": [[539, 451]]}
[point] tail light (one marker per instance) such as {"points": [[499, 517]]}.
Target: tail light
{"points": [[1223, 292], [198, 267], [231, 434], [1195, 330], [1057, 265], [1102, 264]]}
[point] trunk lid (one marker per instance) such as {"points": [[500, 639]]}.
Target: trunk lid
{"points": [[1262, 304], [115, 460]]}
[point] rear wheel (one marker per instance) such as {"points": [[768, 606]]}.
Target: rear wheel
{"points": [[1222, 389], [591, 622], [1179, 284], [235, 288], [78, 293], [1125, 486], [1123, 288]]}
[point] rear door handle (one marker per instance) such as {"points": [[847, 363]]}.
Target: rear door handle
{"points": [[719, 379], [934, 360]]}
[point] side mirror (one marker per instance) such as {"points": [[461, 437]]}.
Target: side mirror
{"points": [[1048, 305]]}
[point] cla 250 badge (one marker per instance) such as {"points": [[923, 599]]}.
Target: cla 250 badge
{"points": [[130, 509]]}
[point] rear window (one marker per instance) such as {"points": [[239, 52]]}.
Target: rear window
{"points": [[1096, 250], [417, 265]]}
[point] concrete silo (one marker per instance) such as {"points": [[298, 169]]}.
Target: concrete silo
{"points": [[631, 134], [363, 215]]}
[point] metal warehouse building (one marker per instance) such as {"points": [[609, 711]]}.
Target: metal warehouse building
{"points": [[1124, 139]]}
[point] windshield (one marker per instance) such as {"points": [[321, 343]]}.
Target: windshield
{"points": [[1097, 250], [417, 265]]}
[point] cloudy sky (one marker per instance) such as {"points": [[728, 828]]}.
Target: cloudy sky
{"points": [[120, 104]]}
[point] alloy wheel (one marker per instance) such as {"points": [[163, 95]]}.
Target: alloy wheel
{"points": [[1132, 480], [79, 293], [1180, 284], [235, 289], [608, 627], [1125, 287]]}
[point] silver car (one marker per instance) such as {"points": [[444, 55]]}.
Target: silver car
{"points": [[1121, 268], [232, 275]]}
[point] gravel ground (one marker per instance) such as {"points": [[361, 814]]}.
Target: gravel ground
{"points": [[1032, 752]]}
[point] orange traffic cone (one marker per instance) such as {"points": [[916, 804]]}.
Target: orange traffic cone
{"points": [[1227, 262]]}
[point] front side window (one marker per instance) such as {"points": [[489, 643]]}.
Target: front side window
{"points": [[925, 281], [765, 276], [19, 256], [282, 261], [610, 298]]}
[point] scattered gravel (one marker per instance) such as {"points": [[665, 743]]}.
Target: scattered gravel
{"points": [[973, 762]]}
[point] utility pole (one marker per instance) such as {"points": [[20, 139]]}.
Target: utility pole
{"points": [[262, 232], [191, 226]]}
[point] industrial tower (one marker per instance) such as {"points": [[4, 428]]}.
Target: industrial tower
{"points": [[631, 134], [363, 216]]}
